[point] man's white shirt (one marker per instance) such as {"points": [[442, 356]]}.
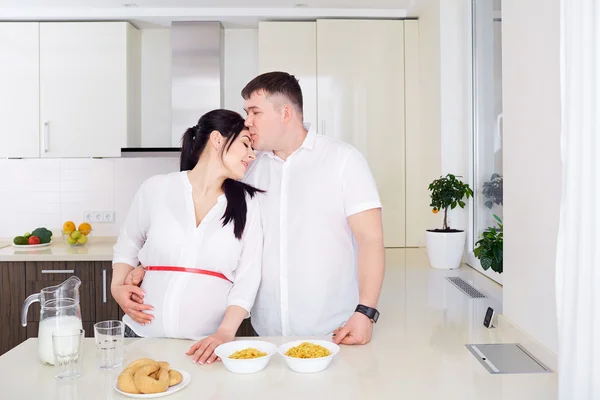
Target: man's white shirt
{"points": [[309, 267]]}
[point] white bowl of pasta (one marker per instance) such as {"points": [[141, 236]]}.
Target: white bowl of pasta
{"points": [[308, 355], [245, 356]]}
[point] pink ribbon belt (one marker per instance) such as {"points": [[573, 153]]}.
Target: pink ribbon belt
{"points": [[191, 270]]}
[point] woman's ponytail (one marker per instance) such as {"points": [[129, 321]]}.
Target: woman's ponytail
{"points": [[189, 157]]}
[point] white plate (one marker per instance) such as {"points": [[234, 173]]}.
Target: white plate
{"points": [[173, 389], [31, 246]]}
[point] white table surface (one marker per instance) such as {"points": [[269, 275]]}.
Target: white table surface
{"points": [[354, 372]]}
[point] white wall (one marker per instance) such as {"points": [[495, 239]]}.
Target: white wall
{"points": [[48, 192], [241, 65], [532, 164], [445, 90]]}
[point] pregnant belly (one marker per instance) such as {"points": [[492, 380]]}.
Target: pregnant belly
{"points": [[185, 305]]}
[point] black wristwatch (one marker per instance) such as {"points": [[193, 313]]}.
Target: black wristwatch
{"points": [[370, 312]]}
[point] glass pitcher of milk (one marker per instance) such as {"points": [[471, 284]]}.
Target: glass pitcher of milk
{"points": [[60, 312]]}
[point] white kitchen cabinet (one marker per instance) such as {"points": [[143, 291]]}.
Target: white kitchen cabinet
{"points": [[89, 88], [360, 66], [292, 47], [19, 89]]}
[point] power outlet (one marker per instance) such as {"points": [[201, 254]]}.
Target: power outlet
{"points": [[88, 216], [109, 217], [99, 216]]}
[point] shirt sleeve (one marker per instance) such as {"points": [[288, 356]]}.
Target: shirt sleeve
{"points": [[358, 185], [134, 230], [246, 277]]}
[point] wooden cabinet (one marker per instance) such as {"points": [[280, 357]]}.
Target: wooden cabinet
{"points": [[21, 279], [20, 89], [69, 89], [89, 88], [12, 296], [354, 89], [292, 47], [360, 83]]}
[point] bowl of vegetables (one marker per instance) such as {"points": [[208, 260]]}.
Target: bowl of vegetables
{"points": [[39, 237]]}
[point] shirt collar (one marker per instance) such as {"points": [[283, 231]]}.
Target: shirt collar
{"points": [[309, 140]]}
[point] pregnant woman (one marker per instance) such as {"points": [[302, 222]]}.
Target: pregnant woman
{"points": [[197, 234]]}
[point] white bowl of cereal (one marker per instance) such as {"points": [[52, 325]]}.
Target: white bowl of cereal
{"points": [[245, 356], [308, 355]]}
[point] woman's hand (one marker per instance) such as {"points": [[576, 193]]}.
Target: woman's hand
{"points": [[123, 295], [203, 351]]}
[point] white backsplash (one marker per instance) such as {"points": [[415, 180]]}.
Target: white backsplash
{"points": [[48, 192]]}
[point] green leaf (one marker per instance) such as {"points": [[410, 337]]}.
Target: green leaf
{"points": [[453, 205], [486, 263], [497, 218], [462, 204]]}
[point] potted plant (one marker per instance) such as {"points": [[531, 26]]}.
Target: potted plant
{"points": [[445, 246], [493, 191], [488, 249]]}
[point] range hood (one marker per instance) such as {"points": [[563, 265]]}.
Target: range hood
{"points": [[196, 81]]}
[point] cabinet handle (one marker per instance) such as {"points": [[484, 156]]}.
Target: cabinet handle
{"points": [[45, 136], [104, 286], [58, 271]]}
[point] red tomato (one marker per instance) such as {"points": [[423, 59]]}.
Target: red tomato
{"points": [[33, 240]]}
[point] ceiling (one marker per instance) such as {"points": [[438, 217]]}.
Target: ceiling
{"points": [[377, 4], [232, 13]]}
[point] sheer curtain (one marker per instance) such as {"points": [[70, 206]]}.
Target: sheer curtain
{"points": [[578, 254]]}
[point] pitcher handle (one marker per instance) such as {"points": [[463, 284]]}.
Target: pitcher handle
{"points": [[28, 301]]}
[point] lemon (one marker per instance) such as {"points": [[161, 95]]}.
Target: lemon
{"points": [[82, 240], [68, 227], [85, 228], [70, 240], [76, 235]]}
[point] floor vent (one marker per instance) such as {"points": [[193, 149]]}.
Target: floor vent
{"points": [[507, 358], [465, 288]]}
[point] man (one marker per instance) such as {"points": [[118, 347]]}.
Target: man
{"points": [[323, 254]]}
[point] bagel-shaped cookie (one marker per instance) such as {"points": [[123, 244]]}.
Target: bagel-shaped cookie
{"points": [[125, 382], [164, 365], [148, 385], [175, 377], [140, 363]]}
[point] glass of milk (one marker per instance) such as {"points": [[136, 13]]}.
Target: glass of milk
{"points": [[109, 337], [67, 348]]}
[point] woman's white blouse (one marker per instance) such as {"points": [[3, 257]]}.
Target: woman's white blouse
{"points": [[160, 230]]}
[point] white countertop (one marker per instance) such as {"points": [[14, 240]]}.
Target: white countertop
{"points": [[417, 352], [98, 248]]}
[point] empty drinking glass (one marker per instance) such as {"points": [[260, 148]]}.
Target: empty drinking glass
{"points": [[109, 344], [67, 347]]}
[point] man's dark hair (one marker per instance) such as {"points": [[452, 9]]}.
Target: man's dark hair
{"points": [[274, 83]]}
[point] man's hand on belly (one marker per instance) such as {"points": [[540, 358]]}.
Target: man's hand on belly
{"points": [[123, 295]]}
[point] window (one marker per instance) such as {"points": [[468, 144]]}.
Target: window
{"points": [[486, 174]]}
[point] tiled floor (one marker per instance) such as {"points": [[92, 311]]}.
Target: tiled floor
{"points": [[431, 321]]}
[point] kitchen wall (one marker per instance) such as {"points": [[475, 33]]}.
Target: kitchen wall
{"points": [[48, 192], [444, 102], [532, 167]]}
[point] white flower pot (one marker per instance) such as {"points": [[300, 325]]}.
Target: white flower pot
{"points": [[445, 249]]}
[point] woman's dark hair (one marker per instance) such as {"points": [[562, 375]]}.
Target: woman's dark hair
{"points": [[230, 124]]}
